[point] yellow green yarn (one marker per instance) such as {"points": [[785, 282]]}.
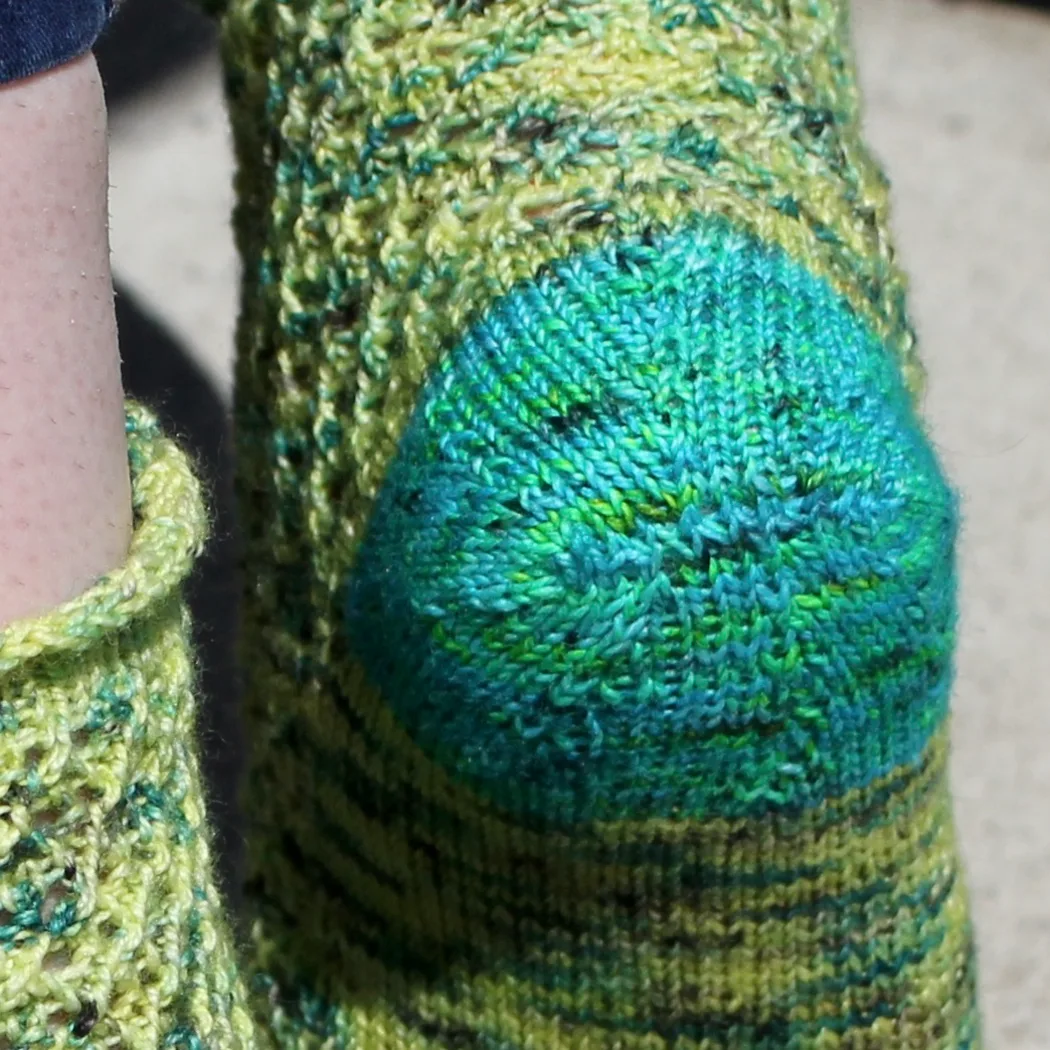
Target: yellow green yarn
{"points": [[599, 575], [111, 931], [469, 361], [412, 188]]}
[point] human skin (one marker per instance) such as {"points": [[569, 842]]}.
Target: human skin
{"points": [[65, 505]]}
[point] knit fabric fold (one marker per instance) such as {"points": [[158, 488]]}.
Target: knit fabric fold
{"points": [[111, 929]]}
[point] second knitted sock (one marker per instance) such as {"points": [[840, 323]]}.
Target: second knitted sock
{"points": [[602, 596]]}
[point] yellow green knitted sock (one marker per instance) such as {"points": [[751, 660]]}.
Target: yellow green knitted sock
{"points": [[601, 586], [111, 934]]}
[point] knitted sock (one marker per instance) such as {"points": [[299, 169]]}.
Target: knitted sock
{"points": [[601, 590], [110, 927]]}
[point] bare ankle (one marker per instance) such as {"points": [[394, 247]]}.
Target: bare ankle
{"points": [[65, 509]]}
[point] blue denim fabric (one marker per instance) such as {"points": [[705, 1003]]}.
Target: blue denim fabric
{"points": [[40, 34]]}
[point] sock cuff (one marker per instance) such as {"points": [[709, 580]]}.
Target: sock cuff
{"points": [[110, 924], [170, 527]]}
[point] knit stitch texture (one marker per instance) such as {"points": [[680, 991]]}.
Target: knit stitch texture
{"points": [[601, 581], [111, 932], [600, 574]]}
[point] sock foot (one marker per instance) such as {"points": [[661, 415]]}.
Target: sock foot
{"points": [[601, 591], [638, 732]]}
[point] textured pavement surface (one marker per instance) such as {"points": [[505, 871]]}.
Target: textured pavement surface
{"points": [[958, 106]]}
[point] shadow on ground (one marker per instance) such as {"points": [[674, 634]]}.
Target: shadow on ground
{"points": [[159, 373], [148, 42]]}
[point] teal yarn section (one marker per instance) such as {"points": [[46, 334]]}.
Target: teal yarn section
{"points": [[664, 537]]}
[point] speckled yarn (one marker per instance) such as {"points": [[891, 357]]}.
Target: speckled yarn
{"points": [[111, 931], [655, 540], [601, 590]]}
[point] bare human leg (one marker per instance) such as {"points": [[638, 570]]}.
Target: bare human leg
{"points": [[65, 508]]}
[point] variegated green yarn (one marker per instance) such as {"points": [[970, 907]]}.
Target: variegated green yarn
{"points": [[111, 931], [601, 590], [664, 537], [600, 583]]}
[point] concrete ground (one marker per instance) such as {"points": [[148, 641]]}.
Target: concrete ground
{"points": [[958, 98]]}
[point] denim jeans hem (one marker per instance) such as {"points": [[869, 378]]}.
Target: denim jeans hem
{"points": [[37, 35]]}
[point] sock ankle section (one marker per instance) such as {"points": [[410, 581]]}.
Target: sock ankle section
{"points": [[427, 163]]}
